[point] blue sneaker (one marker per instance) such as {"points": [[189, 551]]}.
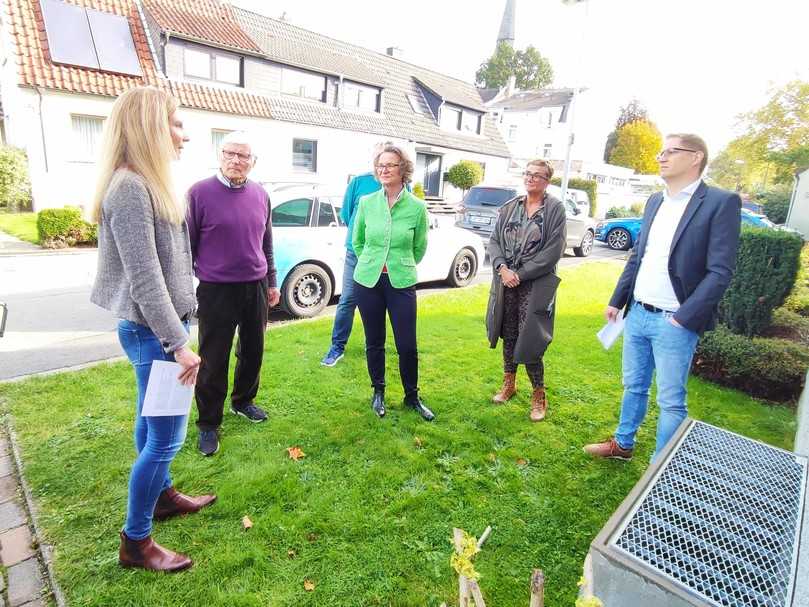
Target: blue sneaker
{"points": [[332, 356]]}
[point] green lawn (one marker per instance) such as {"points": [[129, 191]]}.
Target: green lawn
{"points": [[367, 515], [21, 225]]}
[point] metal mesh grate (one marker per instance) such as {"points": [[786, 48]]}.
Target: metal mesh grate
{"points": [[722, 519]]}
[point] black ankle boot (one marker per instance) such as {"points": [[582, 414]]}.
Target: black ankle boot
{"points": [[378, 403], [414, 402]]}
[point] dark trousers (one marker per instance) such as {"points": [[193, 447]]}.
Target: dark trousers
{"points": [[222, 308], [515, 314], [400, 305]]}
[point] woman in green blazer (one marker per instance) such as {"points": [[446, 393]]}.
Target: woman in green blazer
{"points": [[390, 238]]}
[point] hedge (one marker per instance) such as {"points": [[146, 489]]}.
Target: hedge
{"points": [[64, 227], [766, 268], [769, 368], [588, 185], [798, 300], [15, 187]]}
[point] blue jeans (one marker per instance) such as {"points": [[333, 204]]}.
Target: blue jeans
{"points": [[157, 439], [652, 343], [344, 316]]}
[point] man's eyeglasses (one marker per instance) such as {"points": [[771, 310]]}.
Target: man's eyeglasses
{"points": [[389, 167], [670, 151], [535, 176], [229, 155]]}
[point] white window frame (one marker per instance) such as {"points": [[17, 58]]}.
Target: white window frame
{"points": [[85, 145], [297, 167], [213, 55], [301, 91]]}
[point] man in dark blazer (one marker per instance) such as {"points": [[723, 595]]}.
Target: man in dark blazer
{"points": [[671, 285]]}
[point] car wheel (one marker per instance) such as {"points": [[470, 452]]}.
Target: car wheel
{"points": [[464, 268], [619, 239], [306, 291], [583, 250]]}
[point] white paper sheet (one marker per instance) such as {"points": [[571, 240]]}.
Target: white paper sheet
{"points": [[165, 395], [611, 331]]}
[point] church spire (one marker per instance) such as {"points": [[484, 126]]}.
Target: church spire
{"points": [[507, 24]]}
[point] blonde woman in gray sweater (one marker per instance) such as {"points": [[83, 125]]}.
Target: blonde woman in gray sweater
{"points": [[145, 278]]}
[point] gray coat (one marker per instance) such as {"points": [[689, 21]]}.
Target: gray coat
{"points": [[144, 263], [540, 270]]}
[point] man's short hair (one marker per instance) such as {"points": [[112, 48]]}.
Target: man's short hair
{"points": [[694, 142], [238, 138]]}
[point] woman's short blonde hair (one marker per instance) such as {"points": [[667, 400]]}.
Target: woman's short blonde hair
{"points": [[406, 166], [539, 162]]}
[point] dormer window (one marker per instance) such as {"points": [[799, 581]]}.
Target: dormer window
{"points": [[299, 83], [454, 118], [200, 63], [360, 96]]}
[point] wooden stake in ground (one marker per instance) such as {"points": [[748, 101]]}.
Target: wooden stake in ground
{"points": [[537, 589], [463, 583]]}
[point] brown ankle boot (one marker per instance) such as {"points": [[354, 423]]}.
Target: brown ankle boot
{"points": [[147, 554], [539, 405], [173, 503], [508, 390]]}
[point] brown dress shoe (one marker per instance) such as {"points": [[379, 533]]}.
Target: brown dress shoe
{"points": [[148, 554], [508, 390], [609, 450], [173, 503], [539, 405]]}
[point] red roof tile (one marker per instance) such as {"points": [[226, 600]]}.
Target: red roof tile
{"points": [[35, 68]]}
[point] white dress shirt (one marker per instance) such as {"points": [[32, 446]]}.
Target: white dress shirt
{"points": [[653, 284]]}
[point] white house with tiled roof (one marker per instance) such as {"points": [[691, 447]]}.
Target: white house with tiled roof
{"points": [[314, 105]]}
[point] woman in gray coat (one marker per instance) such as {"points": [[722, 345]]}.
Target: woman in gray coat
{"points": [[527, 242]]}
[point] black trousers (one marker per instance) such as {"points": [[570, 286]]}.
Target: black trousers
{"points": [[223, 307], [400, 305]]}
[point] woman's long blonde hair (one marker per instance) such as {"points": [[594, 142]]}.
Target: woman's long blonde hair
{"points": [[137, 136]]}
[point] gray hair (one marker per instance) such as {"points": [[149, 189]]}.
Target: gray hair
{"points": [[239, 138], [406, 169]]}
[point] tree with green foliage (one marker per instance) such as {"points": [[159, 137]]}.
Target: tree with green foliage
{"points": [[636, 147], [531, 70], [465, 174], [418, 190], [775, 202], [15, 186], [631, 112]]}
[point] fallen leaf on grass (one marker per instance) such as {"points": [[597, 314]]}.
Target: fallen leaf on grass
{"points": [[291, 554], [521, 461], [247, 523], [312, 537], [295, 453], [492, 457], [417, 442], [308, 585]]}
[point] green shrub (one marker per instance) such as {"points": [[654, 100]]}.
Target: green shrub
{"points": [[588, 185], [465, 174], [763, 367], [798, 300], [15, 187], [775, 203], [766, 268], [64, 227], [418, 190], [789, 325], [617, 212], [636, 208]]}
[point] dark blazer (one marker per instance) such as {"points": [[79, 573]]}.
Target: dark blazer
{"points": [[702, 256]]}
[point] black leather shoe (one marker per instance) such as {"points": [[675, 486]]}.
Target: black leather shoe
{"points": [[208, 442], [378, 403], [414, 402]]}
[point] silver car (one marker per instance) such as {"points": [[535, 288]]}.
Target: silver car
{"points": [[478, 212]]}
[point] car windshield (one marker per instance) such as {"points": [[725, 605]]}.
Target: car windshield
{"points": [[489, 197]]}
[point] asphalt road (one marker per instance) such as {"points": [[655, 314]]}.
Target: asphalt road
{"points": [[52, 324]]}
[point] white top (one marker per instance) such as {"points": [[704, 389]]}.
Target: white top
{"points": [[653, 285]]}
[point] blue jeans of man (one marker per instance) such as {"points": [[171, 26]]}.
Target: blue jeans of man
{"points": [[344, 316], [157, 439], [653, 344]]}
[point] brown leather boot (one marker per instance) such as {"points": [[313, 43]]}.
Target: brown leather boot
{"points": [[148, 554], [539, 405], [508, 390], [173, 503]]}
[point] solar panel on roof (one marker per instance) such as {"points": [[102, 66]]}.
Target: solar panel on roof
{"points": [[113, 43], [68, 31]]}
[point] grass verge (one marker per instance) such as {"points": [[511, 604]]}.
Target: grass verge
{"points": [[21, 225], [367, 514]]}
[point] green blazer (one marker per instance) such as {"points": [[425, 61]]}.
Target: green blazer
{"points": [[394, 237]]}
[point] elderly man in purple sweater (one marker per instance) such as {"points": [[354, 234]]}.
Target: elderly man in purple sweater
{"points": [[231, 245]]}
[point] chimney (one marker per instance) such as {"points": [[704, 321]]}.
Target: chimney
{"points": [[394, 51]]}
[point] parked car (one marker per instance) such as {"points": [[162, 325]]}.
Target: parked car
{"points": [[756, 220], [620, 233], [478, 213], [309, 246]]}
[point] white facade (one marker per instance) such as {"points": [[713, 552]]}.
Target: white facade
{"points": [[798, 217], [533, 134]]}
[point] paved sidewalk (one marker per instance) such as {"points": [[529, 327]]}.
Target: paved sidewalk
{"points": [[24, 583], [9, 245]]}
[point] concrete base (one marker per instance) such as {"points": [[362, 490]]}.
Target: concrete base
{"points": [[801, 596]]}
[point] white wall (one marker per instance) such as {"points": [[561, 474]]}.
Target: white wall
{"points": [[798, 217], [533, 133]]}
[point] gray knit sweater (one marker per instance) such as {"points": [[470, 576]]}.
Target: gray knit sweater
{"points": [[144, 263]]}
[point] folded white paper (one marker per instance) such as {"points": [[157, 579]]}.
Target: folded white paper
{"points": [[611, 331], [165, 395]]}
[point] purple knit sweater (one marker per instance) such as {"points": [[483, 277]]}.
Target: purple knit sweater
{"points": [[231, 232]]}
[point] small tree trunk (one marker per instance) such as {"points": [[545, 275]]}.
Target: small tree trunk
{"points": [[537, 589]]}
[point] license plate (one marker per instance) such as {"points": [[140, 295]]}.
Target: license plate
{"points": [[484, 221]]}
